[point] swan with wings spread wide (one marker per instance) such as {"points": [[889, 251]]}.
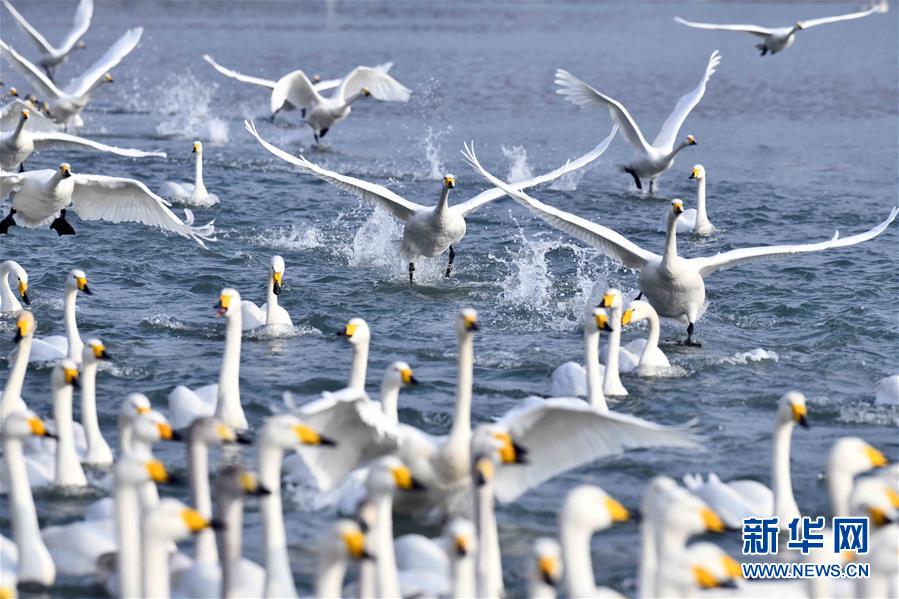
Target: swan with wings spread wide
{"points": [[52, 56], [673, 285], [428, 231], [653, 159]]}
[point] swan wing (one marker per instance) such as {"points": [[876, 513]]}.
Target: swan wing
{"points": [[723, 499], [753, 29], [399, 207], [44, 140], [186, 405], [755, 494], [540, 426], [294, 87], [668, 133], [382, 86], [879, 7], [252, 316], [34, 74], [610, 243], [11, 112], [97, 197], [266, 83], [418, 552], [710, 264], [358, 426], [10, 182], [570, 166], [80, 25], [579, 93], [27, 28], [76, 547], [80, 86]]}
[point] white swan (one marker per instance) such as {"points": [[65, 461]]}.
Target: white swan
{"points": [[9, 304], [649, 358], [574, 380], [11, 397], [545, 571], [269, 314], [698, 570], [97, 451], [70, 346], [442, 567], [68, 471], [343, 542], [223, 398], [65, 105], [778, 39], [53, 56], [886, 391], [613, 355], [740, 499], [427, 231], [191, 194], [169, 522], [652, 159], [18, 144], [240, 576], [586, 511], [43, 197], [322, 113], [34, 561], [849, 457], [674, 285]]}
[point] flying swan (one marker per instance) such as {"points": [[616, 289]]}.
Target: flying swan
{"points": [[43, 196], [652, 159], [427, 231], [673, 285], [51, 56], [778, 39]]}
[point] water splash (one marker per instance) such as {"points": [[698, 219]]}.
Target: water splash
{"points": [[432, 143], [183, 106], [756, 355], [291, 237], [518, 167]]}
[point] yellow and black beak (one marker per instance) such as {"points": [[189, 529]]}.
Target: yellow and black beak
{"points": [[71, 377], [879, 517], [348, 331], [157, 472], [221, 308], [627, 317], [510, 452], [25, 115], [549, 570], [607, 300], [316, 78], [22, 326], [800, 416], [39, 429], [355, 544], [23, 291], [461, 545], [618, 512], [366, 92], [712, 521], [65, 170], [483, 471], [81, 284], [13, 92], [694, 174], [691, 140], [471, 323], [166, 433], [277, 282], [407, 377], [878, 460], [602, 322], [100, 352], [195, 521], [404, 480], [196, 149], [309, 436], [677, 207], [108, 77], [449, 181], [250, 485]]}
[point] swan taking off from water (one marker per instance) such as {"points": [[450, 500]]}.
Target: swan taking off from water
{"points": [[44, 196], [192, 194], [52, 56], [65, 105], [778, 39], [428, 231], [673, 285], [652, 159]]}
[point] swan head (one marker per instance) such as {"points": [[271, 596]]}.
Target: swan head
{"points": [[851, 456], [198, 148], [356, 331], [611, 299], [21, 276], [873, 497], [467, 322], [152, 427], [24, 424], [132, 470], [343, 542], [172, 520], [65, 170], [228, 304], [677, 207], [698, 172], [25, 326], [792, 409], [683, 513], [366, 92], [547, 561], [134, 405], [276, 268], [77, 281], [285, 431], [691, 141], [636, 311], [710, 567], [462, 536], [26, 114], [316, 78], [13, 92], [388, 475], [449, 181], [81, 45], [212, 431], [107, 78], [589, 508], [65, 374], [399, 375], [234, 481], [600, 320], [93, 352], [798, 26]]}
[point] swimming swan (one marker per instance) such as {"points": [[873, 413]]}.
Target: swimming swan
{"points": [[11, 397], [53, 56], [270, 314], [427, 231], [191, 194], [652, 159], [70, 346], [694, 220], [9, 305], [674, 286], [646, 358]]}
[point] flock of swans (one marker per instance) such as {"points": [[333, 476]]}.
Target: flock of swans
{"points": [[356, 450]]}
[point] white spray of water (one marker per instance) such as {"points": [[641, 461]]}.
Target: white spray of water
{"points": [[183, 106], [518, 167], [432, 143], [291, 237]]}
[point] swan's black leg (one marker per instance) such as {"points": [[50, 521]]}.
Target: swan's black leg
{"points": [[652, 186], [689, 341], [449, 267], [636, 178], [315, 135], [61, 225], [639, 296], [324, 132], [411, 270], [7, 222], [274, 114], [302, 113], [22, 167]]}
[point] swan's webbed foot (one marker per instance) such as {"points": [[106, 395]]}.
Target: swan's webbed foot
{"points": [[449, 267], [7, 222], [324, 132], [633, 174], [689, 341], [411, 271], [315, 135], [61, 225]]}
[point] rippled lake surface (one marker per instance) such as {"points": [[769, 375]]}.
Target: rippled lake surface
{"points": [[795, 146]]}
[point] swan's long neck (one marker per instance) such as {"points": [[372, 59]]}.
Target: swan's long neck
{"points": [[443, 203], [200, 496], [155, 566], [464, 576], [652, 340], [389, 396], [13, 390], [128, 559], [72, 334], [490, 568], [198, 172], [648, 557], [8, 301], [591, 363], [461, 430], [677, 149], [388, 580], [359, 366], [89, 420], [352, 99], [781, 482], [35, 563], [68, 467], [230, 542], [670, 241], [19, 128], [329, 577], [702, 218], [576, 557], [228, 408], [612, 380], [271, 301], [94, 88], [839, 487], [278, 577]]}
